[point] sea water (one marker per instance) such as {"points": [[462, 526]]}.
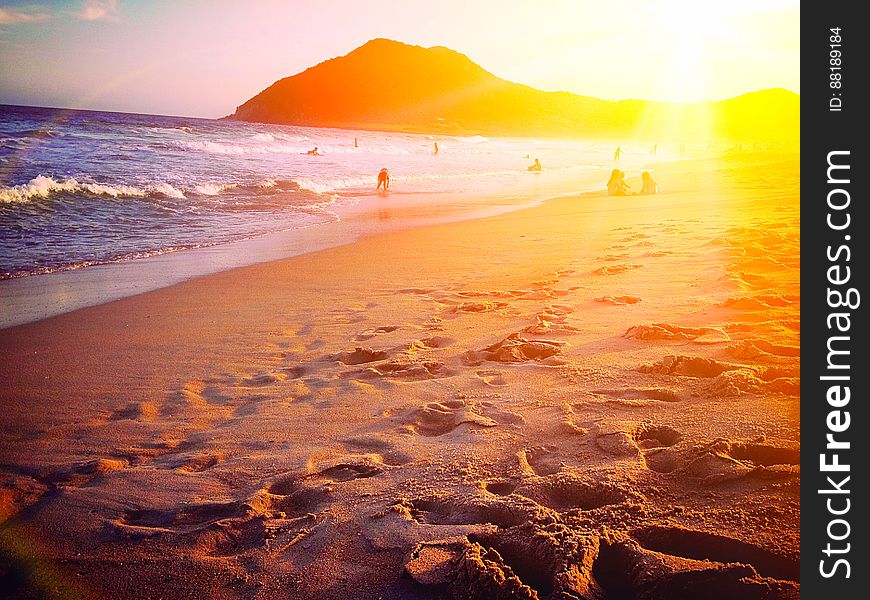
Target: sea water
{"points": [[79, 188]]}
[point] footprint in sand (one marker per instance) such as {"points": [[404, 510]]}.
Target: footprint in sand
{"points": [[671, 562], [700, 545], [553, 319], [379, 449], [521, 562], [462, 511], [668, 331], [613, 257], [656, 436], [431, 343], [479, 307], [439, 418], [618, 300], [725, 460], [359, 356], [616, 269], [136, 411], [348, 471], [82, 474], [271, 377], [760, 302], [502, 487], [762, 350], [375, 331], [197, 464], [540, 461], [639, 396], [294, 497], [570, 491], [409, 368], [516, 348], [493, 378], [201, 398], [689, 366], [183, 520]]}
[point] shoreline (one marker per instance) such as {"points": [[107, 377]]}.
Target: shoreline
{"points": [[524, 398], [22, 299]]}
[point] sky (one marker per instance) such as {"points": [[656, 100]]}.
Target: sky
{"points": [[204, 57]]}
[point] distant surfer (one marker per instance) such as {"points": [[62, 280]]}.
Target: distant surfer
{"points": [[617, 154], [355, 143], [436, 148], [313, 152], [383, 179], [536, 168]]}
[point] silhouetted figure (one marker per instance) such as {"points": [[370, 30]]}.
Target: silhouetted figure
{"points": [[616, 185], [355, 143], [649, 186], [617, 154], [383, 179], [536, 168], [436, 148], [313, 152]]}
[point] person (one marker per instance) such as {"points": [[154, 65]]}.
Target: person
{"points": [[383, 179], [617, 154], [648, 186], [536, 167], [436, 148], [355, 143], [314, 152], [616, 185]]}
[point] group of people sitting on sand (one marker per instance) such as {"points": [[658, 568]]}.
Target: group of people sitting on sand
{"points": [[616, 185]]}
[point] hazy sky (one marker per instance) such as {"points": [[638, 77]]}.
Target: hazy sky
{"points": [[204, 57]]}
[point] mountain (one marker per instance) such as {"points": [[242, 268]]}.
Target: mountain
{"points": [[388, 85]]}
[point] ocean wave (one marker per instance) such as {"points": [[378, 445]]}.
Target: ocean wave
{"points": [[212, 189], [41, 187]]}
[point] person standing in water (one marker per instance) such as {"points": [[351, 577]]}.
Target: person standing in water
{"points": [[436, 148], [355, 143], [617, 154], [536, 167], [383, 179]]}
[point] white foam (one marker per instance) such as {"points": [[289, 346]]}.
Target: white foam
{"points": [[212, 189], [42, 187], [166, 189]]}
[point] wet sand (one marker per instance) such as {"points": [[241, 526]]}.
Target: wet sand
{"points": [[595, 397]]}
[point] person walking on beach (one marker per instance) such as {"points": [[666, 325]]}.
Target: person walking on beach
{"points": [[536, 168], [617, 154], [383, 179]]}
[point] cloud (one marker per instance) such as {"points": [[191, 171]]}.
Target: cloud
{"points": [[11, 16], [99, 10]]}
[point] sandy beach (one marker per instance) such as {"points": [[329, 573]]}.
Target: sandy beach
{"points": [[595, 397]]}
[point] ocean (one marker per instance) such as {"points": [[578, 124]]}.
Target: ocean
{"points": [[79, 188]]}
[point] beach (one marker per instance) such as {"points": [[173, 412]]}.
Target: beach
{"points": [[588, 397]]}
